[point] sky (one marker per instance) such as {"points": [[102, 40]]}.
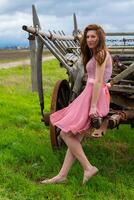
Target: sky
{"points": [[113, 15]]}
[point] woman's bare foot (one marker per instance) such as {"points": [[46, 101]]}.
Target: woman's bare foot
{"points": [[89, 173], [54, 180]]}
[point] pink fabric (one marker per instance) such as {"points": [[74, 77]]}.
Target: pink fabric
{"points": [[91, 68], [75, 117]]}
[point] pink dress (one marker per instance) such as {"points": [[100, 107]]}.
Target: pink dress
{"points": [[75, 117]]}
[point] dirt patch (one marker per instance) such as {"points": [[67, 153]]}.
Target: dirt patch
{"points": [[21, 62], [16, 55], [13, 54]]}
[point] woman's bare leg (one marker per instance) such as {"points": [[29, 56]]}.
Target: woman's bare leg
{"points": [[68, 161], [76, 148]]}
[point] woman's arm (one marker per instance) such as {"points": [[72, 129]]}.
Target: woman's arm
{"points": [[99, 74]]}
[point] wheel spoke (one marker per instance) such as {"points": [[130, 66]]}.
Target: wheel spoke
{"points": [[60, 99], [63, 96]]}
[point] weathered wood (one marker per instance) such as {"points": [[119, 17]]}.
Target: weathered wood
{"points": [[128, 62], [125, 57], [121, 47], [131, 96], [123, 74], [75, 31], [55, 54], [34, 31], [55, 48], [114, 121], [120, 117], [36, 21], [127, 82], [122, 51], [32, 46], [60, 45], [120, 33], [128, 89], [39, 73], [122, 101]]}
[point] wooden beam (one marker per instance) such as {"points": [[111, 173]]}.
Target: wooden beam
{"points": [[123, 74]]}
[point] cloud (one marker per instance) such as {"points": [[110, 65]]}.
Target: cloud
{"points": [[56, 14]]}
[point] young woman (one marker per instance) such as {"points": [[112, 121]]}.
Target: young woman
{"points": [[75, 120]]}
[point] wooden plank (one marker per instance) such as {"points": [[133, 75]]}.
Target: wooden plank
{"points": [[120, 33], [122, 88], [32, 46], [121, 51], [122, 101], [48, 35], [123, 74], [39, 73], [121, 47]]}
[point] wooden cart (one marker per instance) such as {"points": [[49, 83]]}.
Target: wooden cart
{"points": [[66, 48]]}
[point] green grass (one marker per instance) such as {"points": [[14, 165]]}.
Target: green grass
{"points": [[26, 155]]}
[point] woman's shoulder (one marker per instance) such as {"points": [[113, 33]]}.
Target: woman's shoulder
{"points": [[103, 53], [103, 56], [108, 56], [109, 61], [107, 52], [100, 56]]}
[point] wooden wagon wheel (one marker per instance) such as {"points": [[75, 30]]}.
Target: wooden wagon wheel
{"points": [[60, 99]]}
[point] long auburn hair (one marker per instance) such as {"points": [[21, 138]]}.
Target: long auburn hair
{"points": [[100, 51]]}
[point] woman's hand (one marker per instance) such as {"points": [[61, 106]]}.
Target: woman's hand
{"points": [[93, 110], [108, 85], [95, 120]]}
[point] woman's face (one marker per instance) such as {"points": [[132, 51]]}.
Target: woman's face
{"points": [[92, 39]]}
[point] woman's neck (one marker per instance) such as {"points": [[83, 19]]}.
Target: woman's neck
{"points": [[94, 51]]}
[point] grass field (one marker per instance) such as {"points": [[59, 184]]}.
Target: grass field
{"points": [[26, 155]]}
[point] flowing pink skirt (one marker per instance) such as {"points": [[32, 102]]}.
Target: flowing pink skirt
{"points": [[75, 117]]}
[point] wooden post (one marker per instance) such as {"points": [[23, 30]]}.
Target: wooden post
{"points": [[39, 73], [32, 45]]}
